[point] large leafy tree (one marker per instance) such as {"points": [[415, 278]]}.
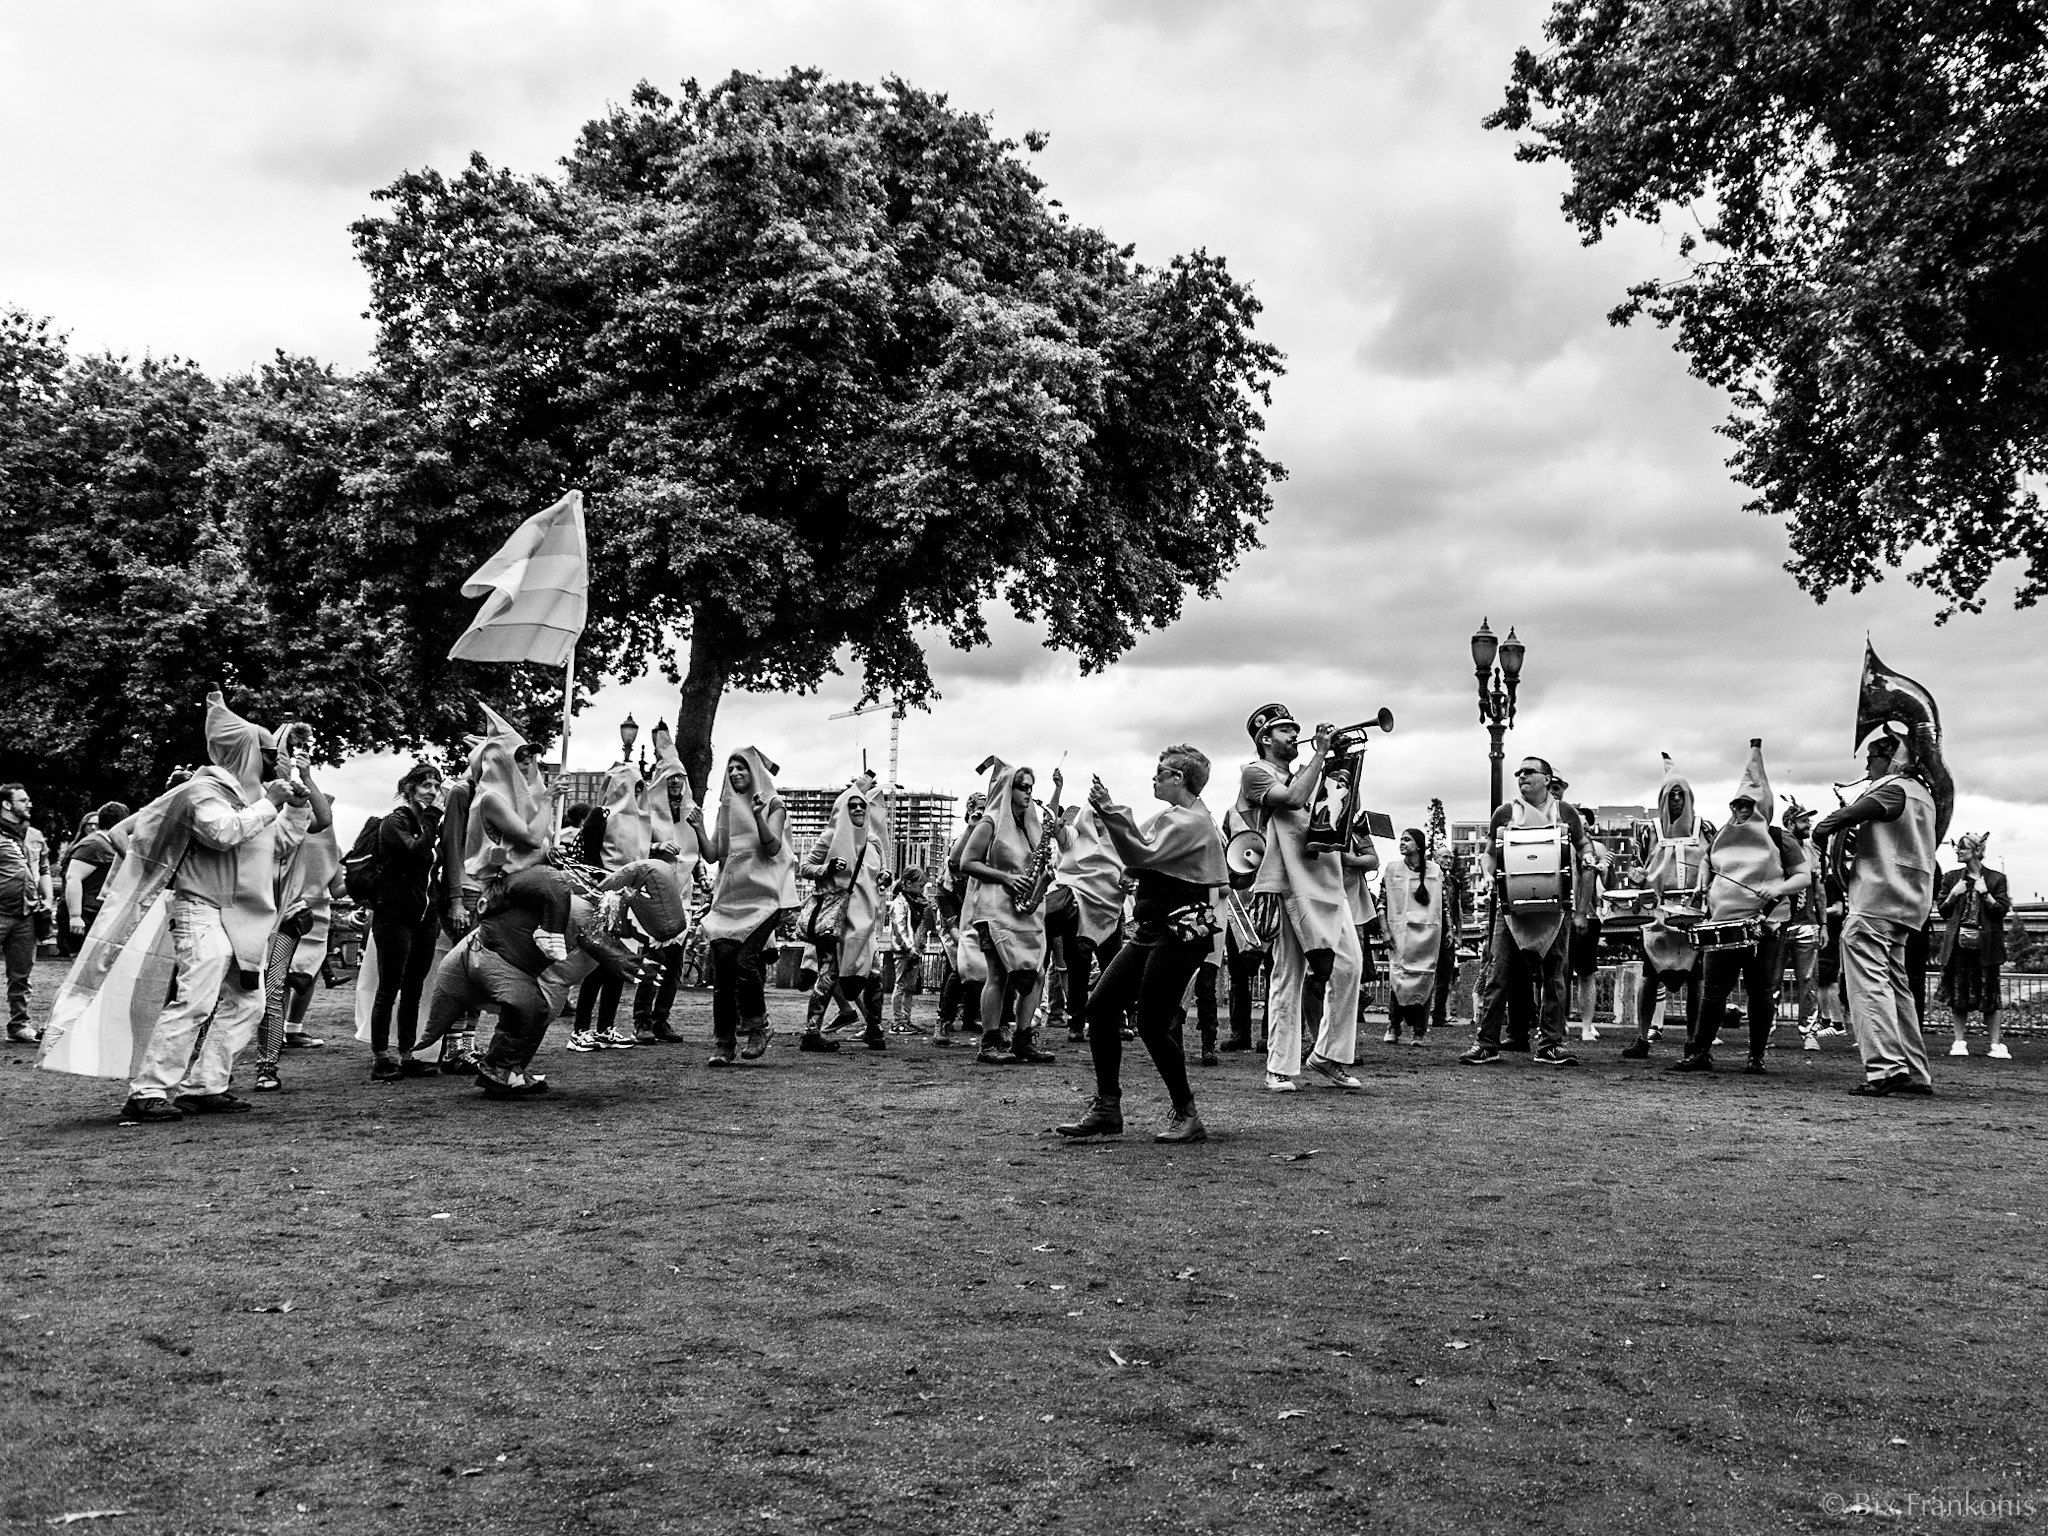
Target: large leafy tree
{"points": [[834, 373], [1863, 194], [125, 592]]}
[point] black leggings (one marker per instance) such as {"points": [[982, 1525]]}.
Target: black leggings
{"points": [[739, 981], [405, 958], [1151, 977]]}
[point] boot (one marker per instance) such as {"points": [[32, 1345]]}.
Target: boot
{"points": [[994, 1052], [757, 1040], [1185, 1125], [1105, 1117], [814, 1041], [1023, 1048]]}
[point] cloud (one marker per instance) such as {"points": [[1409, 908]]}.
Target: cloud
{"points": [[1467, 436]]}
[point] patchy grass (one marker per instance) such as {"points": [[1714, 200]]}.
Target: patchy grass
{"points": [[873, 1293]]}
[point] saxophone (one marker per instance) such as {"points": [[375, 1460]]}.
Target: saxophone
{"points": [[1039, 871]]}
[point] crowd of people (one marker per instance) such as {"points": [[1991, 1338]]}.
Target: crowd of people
{"points": [[202, 920]]}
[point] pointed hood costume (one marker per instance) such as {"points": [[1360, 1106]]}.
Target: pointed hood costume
{"points": [[1090, 867], [864, 851], [1011, 841], [628, 831], [1676, 867], [753, 884], [1743, 861], [105, 1011], [506, 828]]}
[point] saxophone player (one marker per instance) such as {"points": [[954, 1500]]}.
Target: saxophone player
{"points": [[997, 863]]}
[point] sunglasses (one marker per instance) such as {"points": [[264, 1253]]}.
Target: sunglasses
{"points": [[1528, 773]]}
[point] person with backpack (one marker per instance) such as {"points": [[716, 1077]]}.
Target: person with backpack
{"points": [[403, 922], [1752, 869]]}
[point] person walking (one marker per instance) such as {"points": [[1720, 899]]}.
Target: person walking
{"points": [[403, 922]]}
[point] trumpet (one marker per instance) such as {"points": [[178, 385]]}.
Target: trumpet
{"points": [[1347, 740]]}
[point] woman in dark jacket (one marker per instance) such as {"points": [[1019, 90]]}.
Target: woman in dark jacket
{"points": [[1973, 905], [403, 922]]}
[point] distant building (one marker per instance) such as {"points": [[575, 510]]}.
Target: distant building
{"points": [[924, 822]]}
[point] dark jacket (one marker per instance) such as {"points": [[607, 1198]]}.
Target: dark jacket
{"points": [[408, 846], [1992, 906]]}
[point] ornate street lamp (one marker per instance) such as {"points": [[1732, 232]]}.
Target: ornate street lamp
{"points": [[1497, 664], [629, 732]]}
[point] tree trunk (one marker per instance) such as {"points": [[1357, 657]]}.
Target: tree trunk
{"points": [[697, 711]]}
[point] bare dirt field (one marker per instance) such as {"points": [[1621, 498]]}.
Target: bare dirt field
{"points": [[872, 1292]]}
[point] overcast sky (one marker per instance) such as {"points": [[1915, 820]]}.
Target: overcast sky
{"points": [[1466, 436]]}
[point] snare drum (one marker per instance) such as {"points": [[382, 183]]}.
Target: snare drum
{"points": [[1684, 909], [1727, 935], [1532, 859]]}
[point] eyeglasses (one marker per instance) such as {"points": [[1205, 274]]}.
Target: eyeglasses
{"points": [[1528, 773]]}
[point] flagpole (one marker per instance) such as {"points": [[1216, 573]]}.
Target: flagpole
{"points": [[568, 703]]}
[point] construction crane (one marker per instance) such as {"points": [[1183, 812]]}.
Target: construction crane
{"points": [[895, 708]]}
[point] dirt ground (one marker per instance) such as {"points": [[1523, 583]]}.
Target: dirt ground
{"points": [[872, 1292]]}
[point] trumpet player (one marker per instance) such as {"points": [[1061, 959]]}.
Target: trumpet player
{"points": [[997, 862], [1317, 963]]}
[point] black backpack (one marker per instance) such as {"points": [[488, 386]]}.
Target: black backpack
{"points": [[359, 870]]}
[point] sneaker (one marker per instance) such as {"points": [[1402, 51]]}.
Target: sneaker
{"points": [[303, 1042], [1700, 1063], [757, 1041], [1755, 1068], [620, 1039], [584, 1040], [1415, 1039], [1809, 1042], [1959, 1048], [874, 1039], [1999, 1053], [1636, 1050], [21, 1034], [385, 1069], [1235, 1044], [213, 1104], [145, 1111], [1590, 1032], [1280, 1083], [1480, 1056], [1211, 1059], [1554, 1056], [1911, 1089], [813, 1041], [722, 1054], [1104, 1117], [1656, 1032], [994, 1056], [412, 1066], [1391, 1037], [1335, 1071], [266, 1078], [1185, 1125], [457, 1064]]}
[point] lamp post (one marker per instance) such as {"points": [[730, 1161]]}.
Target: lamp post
{"points": [[629, 732], [1498, 666]]}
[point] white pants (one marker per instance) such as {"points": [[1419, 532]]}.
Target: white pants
{"points": [[1338, 1040], [1881, 998], [208, 987]]}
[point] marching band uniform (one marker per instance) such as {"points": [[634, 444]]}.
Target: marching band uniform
{"points": [[756, 885], [1317, 962], [1890, 892], [1751, 866], [1676, 868], [1004, 842], [1528, 948]]}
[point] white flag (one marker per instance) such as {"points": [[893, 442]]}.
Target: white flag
{"points": [[539, 591]]}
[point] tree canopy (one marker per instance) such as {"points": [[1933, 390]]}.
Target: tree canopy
{"points": [[832, 370], [1866, 190]]}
